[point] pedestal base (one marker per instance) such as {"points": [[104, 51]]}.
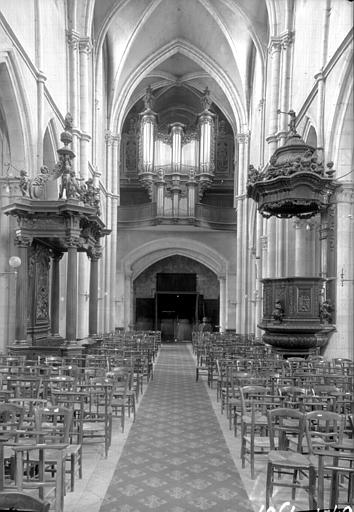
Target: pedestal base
{"points": [[289, 341]]}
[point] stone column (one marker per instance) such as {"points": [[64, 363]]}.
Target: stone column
{"points": [[280, 247], [95, 255], [341, 344], [128, 296], [242, 235], [222, 306], [286, 44], [275, 53], [23, 243], [305, 254], [114, 234], [108, 240], [71, 290], [272, 249], [85, 48], [74, 74], [55, 293]]}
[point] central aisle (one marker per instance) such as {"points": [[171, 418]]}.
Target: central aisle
{"points": [[175, 458]]}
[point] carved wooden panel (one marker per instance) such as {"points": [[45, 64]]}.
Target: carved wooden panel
{"points": [[38, 303]]}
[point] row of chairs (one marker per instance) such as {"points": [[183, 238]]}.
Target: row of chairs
{"points": [[259, 391], [53, 406]]}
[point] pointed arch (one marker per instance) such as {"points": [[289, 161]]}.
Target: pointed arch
{"points": [[344, 99], [138, 260], [15, 109], [50, 144], [193, 53]]}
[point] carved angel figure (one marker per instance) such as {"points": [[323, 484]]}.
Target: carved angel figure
{"points": [[326, 312], [24, 183], [253, 174]]}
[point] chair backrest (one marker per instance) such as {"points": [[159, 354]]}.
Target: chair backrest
{"points": [[11, 417], [324, 429], [13, 500], [286, 426], [255, 399], [75, 401], [54, 422]]}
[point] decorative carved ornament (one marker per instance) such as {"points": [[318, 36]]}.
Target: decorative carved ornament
{"points": [[295, 182]]}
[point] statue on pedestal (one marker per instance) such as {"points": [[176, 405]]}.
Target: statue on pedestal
{"points": [[326, 312], [24, 183]]}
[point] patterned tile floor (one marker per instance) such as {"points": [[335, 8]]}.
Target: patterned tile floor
{"points": [[175, 458]]}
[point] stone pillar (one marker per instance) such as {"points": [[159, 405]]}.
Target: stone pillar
{"points": [[222, 307], [128, 300], [275, 53], [71, 290], [305, 253], [341, 344], [55, 293], [272, 249], [108, 241], [85, 48], [114, 234], [107, 270], [74, 74], [40, 117], [286, 42], [95, 255], [280, 247], [242, 239], [23, 243]]}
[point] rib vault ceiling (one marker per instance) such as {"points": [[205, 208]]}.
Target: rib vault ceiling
{"points": [[172, 43]]}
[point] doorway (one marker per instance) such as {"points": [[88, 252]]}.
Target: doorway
{"points": [[176, 314]]}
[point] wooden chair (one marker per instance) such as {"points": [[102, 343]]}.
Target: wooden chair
{"points": [[74, 401], [324, 434], [285, 425], [19, 501], [121, 378], [46, 484], [97, 422], [255, 401]]}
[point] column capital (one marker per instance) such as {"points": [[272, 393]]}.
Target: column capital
{"points": [[23, 240], [108, 136], [72, 242], [275, 45], [287, 38], [72, 38], [96, 253], [85, 45], [243, 138], [345, 193], [116, 138], [56, 255]]}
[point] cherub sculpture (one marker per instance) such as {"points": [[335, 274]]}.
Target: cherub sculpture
{"points": [[326, 312], [24, 183]]}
